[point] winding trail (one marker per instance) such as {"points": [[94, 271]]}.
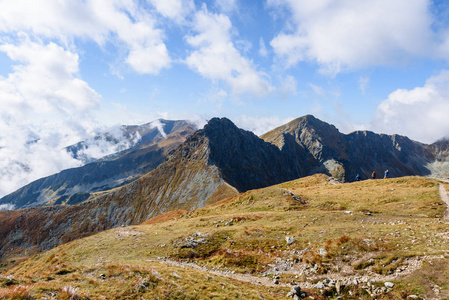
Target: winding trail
{"points": [[445, 198], [411, 265], [240, 277]]}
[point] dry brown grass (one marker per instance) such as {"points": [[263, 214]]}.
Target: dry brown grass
{"points": [[165, 217], [372, 226]]}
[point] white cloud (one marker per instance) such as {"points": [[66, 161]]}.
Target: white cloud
{"points": [[176, 10], [217, 58], [260, 125], [45, 81], [7, 206], [121, 22], [227, 5], [44, 107], [420, 113], [363, 84], [262, 48], [351, 34], [158, 124], [288, 87], [319, 91]]}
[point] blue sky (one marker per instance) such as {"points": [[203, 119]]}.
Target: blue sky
{"points": [[70, 69]]}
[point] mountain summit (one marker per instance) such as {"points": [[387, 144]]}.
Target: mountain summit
{"points": [[326, 150]]}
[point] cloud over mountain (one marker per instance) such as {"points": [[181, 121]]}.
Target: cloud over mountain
{"points": [[420, 113]]}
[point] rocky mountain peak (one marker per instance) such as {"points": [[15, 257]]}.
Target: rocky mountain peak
{"points": [[245, 160]]}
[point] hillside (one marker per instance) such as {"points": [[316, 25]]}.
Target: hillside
{"points": [[213, 163], [73, 186], [330, 239]]}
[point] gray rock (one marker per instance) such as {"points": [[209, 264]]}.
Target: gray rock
{"points": [[389, 284], [319, 286], [289, 240], [295, 293]]}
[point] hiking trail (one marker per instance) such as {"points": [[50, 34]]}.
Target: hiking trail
{"points": [[445, 198]]}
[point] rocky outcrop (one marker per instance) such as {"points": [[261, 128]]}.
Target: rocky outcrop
{"points": [[321, 148], [246, 161], [440, 166]]}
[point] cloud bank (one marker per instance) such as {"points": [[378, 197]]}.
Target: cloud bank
{"points": [[103, 21], [351, 34], [420, 113]]}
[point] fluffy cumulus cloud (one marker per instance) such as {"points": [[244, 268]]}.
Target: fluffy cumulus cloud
{"points": [[42, 103], [44, 80], [351, 34], [420, 113], [118, 21], [176, 10], [216, 57]]}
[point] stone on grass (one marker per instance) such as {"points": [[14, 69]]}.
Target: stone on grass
{"points": [[290, 239]]}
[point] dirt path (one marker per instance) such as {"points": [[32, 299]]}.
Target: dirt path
{"points": [[265, 281], [444, 197], [411, 264]]}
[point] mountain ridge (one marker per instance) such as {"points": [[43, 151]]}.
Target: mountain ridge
{"points": [[213, 163], [359, 152], [105, 173]]}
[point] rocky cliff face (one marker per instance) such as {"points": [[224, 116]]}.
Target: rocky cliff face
{"points": [[73, 186], [326, 150], [440, 166], [244, 160]]}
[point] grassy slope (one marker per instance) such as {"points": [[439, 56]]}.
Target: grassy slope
{"points": [[391, 222]]}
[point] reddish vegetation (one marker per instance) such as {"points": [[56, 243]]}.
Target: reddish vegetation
{"points": [[165, 217]]}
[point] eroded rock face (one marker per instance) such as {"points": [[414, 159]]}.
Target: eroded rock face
{"points": [[325, 150], [440, 166], [246, 161]]}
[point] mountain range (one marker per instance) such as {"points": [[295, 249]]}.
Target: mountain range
{"points": [[74, 185], [189, 169]]}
